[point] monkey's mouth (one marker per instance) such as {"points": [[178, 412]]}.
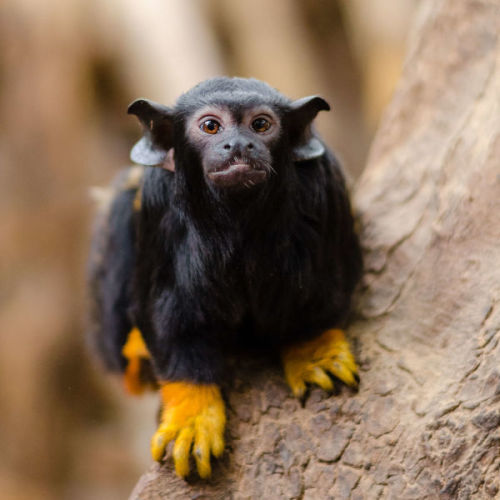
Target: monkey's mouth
{"points": [[238, 173]]}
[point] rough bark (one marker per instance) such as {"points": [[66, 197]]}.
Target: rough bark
{"points": [[426, 420]]}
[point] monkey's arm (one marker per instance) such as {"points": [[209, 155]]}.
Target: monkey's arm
{"points": [[314, 359], [188, 363]]}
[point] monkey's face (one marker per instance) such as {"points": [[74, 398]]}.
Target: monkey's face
{"points": [[235, 132], [234, 147]]}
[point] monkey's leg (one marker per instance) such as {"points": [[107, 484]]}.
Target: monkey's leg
{"points": [[312, 362], [138, 375], [193, 415]]}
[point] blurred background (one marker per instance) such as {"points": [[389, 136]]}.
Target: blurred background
{"points": [[68, 70]]}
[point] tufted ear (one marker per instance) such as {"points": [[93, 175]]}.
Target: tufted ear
{"points": [[306, 146], [155, 147]]}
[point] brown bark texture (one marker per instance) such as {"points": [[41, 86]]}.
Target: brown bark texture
{"points": [[426, 420]]}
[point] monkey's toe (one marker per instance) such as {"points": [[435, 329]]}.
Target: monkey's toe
{"points": [[313, 362], [194, 416]]}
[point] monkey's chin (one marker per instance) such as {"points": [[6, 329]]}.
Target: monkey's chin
{"points": [[237, 175]]}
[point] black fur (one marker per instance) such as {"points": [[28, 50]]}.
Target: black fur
{"points": [[204, 269], [111, 263]]}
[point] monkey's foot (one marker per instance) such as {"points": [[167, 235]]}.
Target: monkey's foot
{"points": [[138, 374], [193, 415], [313, 361]]}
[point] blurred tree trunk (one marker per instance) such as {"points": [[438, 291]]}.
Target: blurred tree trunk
{"points": [[152, 67], [425, 423], [300, 47]]}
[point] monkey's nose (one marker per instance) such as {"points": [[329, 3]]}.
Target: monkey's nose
{"points": [[238, 146]]}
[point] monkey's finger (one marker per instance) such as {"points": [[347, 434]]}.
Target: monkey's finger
{"points": [[181, 451], [201, 452], [342, 372], [297, 385], [217, 445], [160, 440], [318, 376], [347, 359], [216, 433]]}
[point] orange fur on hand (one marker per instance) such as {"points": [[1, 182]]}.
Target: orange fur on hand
{"points": [[313, 361], [194, 416]]}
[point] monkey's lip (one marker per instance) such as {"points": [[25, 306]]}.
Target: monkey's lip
{"points": [[235, 174]]}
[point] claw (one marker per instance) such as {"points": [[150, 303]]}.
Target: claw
{"points": [[217, 445], [311, 362], [181, 451], [342, 372], [298, 386], [160, 440], [202, 454], [318, 376], [194, 416]]}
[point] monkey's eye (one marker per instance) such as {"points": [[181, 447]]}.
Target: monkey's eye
{"points": [[261, 125], [210, 126]]}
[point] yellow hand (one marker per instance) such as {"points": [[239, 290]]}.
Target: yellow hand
{"points": [[193, 415], [312, 361]]}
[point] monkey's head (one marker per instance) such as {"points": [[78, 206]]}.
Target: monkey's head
{"points": [[233, 133]]}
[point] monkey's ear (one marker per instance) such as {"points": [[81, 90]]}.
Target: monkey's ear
{"points": [[155, 147], [304, 143]]}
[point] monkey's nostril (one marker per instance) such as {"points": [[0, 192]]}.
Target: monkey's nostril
{"points": [[250, 145], [227, 146]]}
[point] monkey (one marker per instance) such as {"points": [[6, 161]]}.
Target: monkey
{"points": [[234, 226]]}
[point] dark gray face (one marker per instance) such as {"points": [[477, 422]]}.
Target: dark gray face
{"points": [[235, 148], [233, 130]]}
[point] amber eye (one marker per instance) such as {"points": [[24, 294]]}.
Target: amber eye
{"points": [[261, 125], [210, 126]]}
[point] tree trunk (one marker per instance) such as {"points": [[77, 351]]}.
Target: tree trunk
{"points": [[426, 420]]}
